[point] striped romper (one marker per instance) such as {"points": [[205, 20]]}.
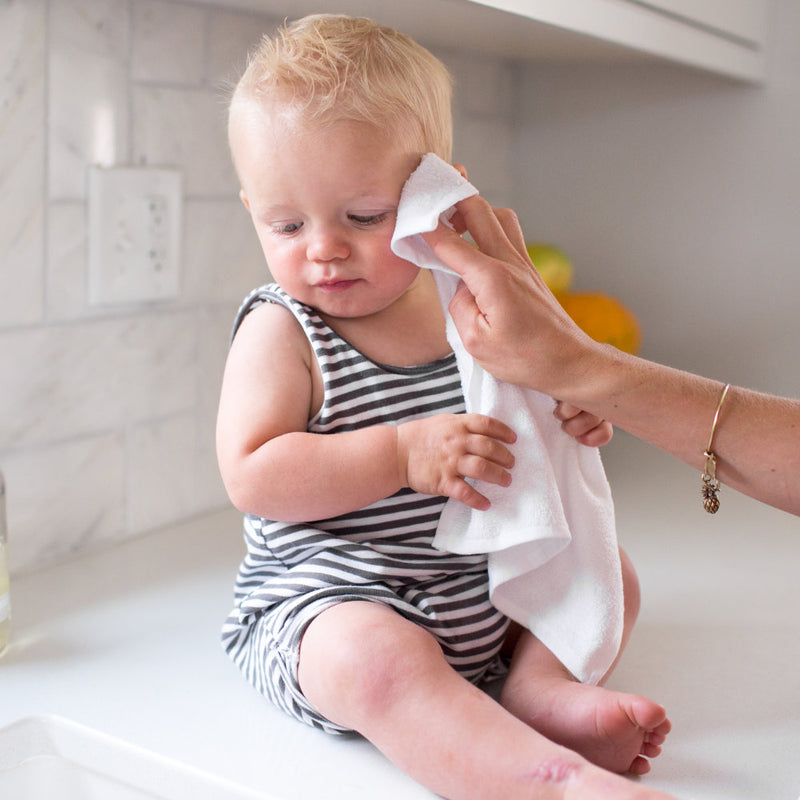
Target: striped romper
{"points": [[382, 553]]}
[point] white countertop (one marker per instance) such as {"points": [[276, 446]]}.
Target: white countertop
{"points": [[126, 641]]}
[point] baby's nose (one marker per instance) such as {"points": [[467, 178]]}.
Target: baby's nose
{"points": [[327, 244]]}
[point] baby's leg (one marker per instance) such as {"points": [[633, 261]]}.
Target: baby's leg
{"points": [[367, 668], [617, 731]]}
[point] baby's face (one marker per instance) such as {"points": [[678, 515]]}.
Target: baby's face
{"points": [[324, 205]]}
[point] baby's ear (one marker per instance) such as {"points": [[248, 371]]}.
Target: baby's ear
{"points": [[243, 198], [462, 170]]}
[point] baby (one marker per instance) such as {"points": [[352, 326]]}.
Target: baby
{"points": [[342, 433]]}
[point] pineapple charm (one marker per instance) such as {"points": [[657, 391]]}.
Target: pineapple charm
{"points": [[710, 485], [709, 492]]}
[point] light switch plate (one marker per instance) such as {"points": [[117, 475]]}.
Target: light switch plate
{"points": [[134, 233]]}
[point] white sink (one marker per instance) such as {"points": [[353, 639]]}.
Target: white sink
{"points": [[55, 758]]}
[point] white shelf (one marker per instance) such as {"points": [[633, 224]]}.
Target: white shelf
{"points": [[726, 37]]}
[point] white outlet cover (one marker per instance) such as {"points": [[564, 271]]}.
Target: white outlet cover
{"points": [[134, 229]]}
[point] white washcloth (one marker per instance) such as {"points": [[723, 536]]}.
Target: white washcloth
{"points": [[554, 563]]}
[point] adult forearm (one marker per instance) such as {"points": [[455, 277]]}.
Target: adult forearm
{"points": [[757, 439]]}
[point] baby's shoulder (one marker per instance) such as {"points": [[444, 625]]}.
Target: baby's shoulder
{"points": [[271, 322], [269, 338]]}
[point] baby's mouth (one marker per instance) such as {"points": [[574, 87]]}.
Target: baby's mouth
{"points": [[336, 286]]}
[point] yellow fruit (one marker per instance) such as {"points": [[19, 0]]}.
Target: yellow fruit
{"points": [[604, 319], [553, 265]]}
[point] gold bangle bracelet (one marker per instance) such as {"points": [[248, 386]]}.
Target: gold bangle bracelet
{"points": [[711, 485]]}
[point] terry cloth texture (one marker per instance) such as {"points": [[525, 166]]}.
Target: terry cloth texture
{"points": [[554, 563]]}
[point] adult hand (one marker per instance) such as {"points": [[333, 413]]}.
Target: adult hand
{"points": [[514, 327], [506, 316]]}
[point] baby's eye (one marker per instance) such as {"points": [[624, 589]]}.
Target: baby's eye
{"points": [[368, 219], [286, 228]]}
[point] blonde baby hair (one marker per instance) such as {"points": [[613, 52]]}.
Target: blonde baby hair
{"points": [[326, 68]]}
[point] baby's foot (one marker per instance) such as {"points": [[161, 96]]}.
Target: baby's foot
{"points": [[592, 783], [616, 731]]}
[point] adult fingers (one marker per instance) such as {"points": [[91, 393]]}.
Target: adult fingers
{"points": [[510, 224], [490, 228]]}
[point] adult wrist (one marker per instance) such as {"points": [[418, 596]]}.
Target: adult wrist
{"points": [[589, 377]]}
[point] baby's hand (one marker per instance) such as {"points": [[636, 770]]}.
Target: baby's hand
{"points": [[584, 427], [437, 454]]}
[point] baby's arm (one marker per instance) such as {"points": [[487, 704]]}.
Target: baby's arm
{"points": [[273, 467], [584, 427]]}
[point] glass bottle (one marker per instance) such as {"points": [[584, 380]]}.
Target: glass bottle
{"points": [[5, 602]]}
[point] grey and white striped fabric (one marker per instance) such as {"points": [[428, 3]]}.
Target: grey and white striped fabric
{"points": [[381, 553]]}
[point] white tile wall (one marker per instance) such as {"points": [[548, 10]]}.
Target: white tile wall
{"points": [[184, 128], [168, 44], [22, 114], [87, 74], [65, 496], [107, 414]]}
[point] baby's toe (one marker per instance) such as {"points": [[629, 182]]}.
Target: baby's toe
{"points": [[639, 766], [650, 750]]}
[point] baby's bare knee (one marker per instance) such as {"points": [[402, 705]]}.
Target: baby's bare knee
{"points": [[357, 660]]}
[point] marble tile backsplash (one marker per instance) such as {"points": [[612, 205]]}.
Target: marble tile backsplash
{"points": [[107, 413]]}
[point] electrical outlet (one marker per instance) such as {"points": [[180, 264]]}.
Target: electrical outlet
{"points": [[134, 234]]}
